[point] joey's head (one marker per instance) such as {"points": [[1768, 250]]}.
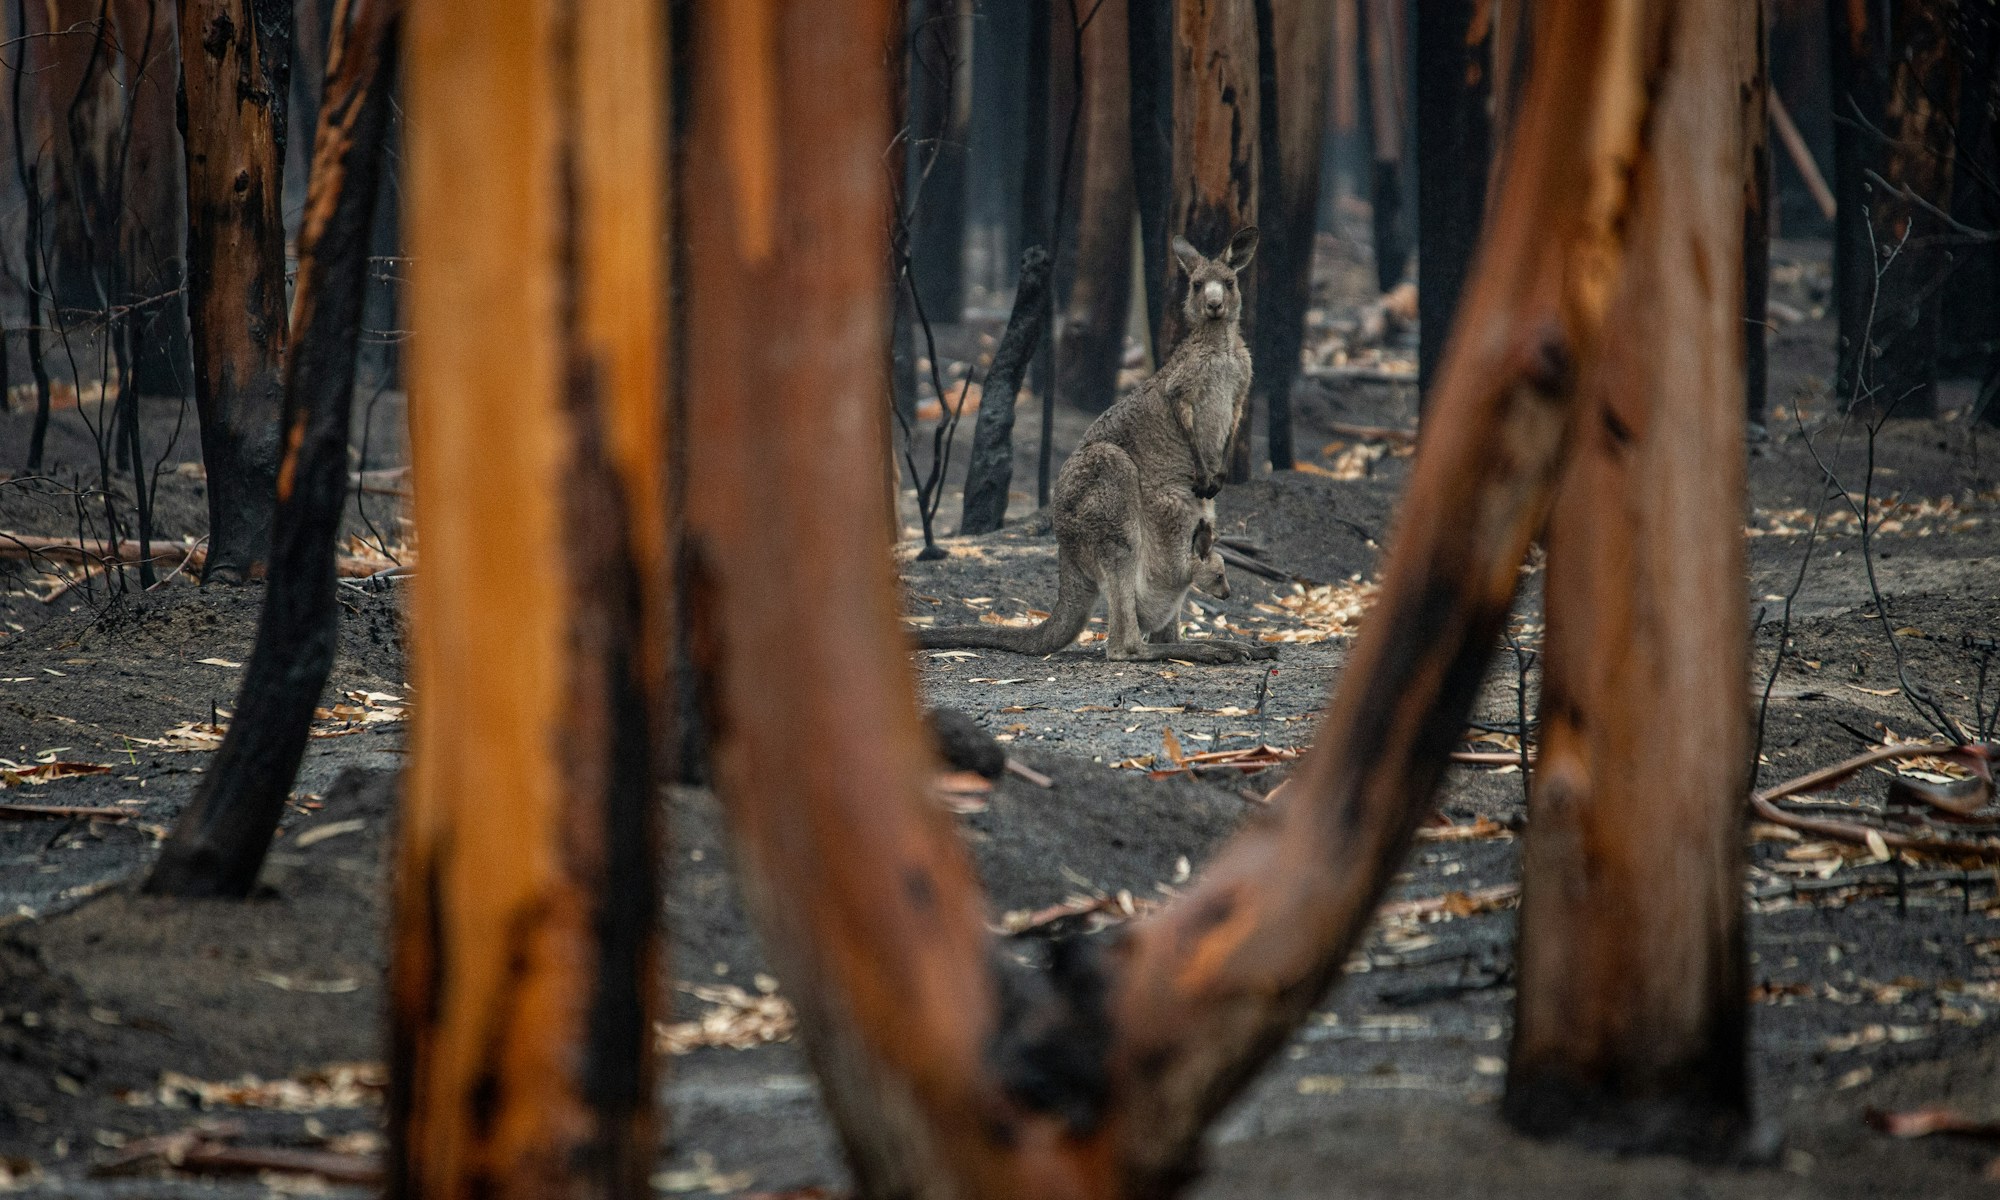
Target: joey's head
{"points": [[1213, 294], [1209, 576]]}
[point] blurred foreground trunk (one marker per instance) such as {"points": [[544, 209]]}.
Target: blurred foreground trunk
{"points": [[523, 936]]}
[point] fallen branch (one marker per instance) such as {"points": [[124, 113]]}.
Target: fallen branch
{"points": [[1361, 375], [1764, 803], [60, 812], [1017, 767], [1801, 154], [94, 552], [1373, 433]]}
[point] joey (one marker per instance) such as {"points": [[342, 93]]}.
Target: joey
{"points": [[1129, 505]]}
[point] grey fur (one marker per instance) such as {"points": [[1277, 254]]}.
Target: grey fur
{"points": [[1133, 507]]}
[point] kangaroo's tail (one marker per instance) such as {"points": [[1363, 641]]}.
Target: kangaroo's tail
{"points": [[1075, 593]]}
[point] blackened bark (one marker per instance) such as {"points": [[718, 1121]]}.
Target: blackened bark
{"points": [[32, 250], [1380, 91], [1294, 43], [1454, 146], [1100, 293], [940, 118], [235, 76], [1150, 39], [1755, 90], [1895, 89], [1972, 293], [990, 468], [219, 843]]}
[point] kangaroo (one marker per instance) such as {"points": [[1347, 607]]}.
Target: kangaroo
{"points": [[1129, 504]]}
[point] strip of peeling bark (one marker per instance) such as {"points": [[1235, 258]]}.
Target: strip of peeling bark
{"points": [[1202, 995], [523, 936], [218, 844], [1630, 1019], [235, 73]]}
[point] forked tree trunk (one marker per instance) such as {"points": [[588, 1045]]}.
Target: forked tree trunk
{"points": [[1895, 95], [1294, 42], [1216, 160], [1754, 91], [1097, 1079], [881, 943], [1454, 147], [1630, 1022], [218, 844], [1383, 63], [1100, 297], [235, 71], [523, 936]]}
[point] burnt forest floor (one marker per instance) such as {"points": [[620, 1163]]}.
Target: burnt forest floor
{"points": [[1877, 985]]}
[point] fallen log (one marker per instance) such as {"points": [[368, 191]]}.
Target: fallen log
{"points": [[99, 552]]}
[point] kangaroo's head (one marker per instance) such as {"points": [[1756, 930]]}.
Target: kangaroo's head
{"points": [[1212, 294]]}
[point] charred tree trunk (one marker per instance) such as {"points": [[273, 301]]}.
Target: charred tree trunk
{"points": [[523, 936], [34, 248], [235, 65], [989, 471], [1754, 66], [1895, 94], [1294, 42], [218, 844], [1216, 167], [1150, 70], [1972, 293], [1382, 62], [1630, 1024], [1454, 147], [1100, 298], [940, 124]]}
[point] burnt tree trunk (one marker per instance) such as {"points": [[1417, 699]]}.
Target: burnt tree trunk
{"points": [[1754, 90], [218, 845], [1382, 65], [1972, 293], [524, 949], [1454, 148], [1216, 160], [940, 123], [1100, 297], [1294, 43], [1631, 1013], [989, 471], [1150, 71], [235, 66], [34, 233], [1895, 92]]}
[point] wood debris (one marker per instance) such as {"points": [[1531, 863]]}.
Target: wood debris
{"points": [[736, 1019]]}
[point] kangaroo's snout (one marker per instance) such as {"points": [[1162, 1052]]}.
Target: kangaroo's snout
{"points": [[1214, 298]]}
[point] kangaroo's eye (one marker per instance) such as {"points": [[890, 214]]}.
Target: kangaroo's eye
{"points": [[1229, 284]]}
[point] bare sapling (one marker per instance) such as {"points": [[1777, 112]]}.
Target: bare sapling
{"points": [[1127, 504]]}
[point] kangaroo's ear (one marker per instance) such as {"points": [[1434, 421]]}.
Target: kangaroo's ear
{"points": [[1184, 251], [1242, 248], [1204, 539]]}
